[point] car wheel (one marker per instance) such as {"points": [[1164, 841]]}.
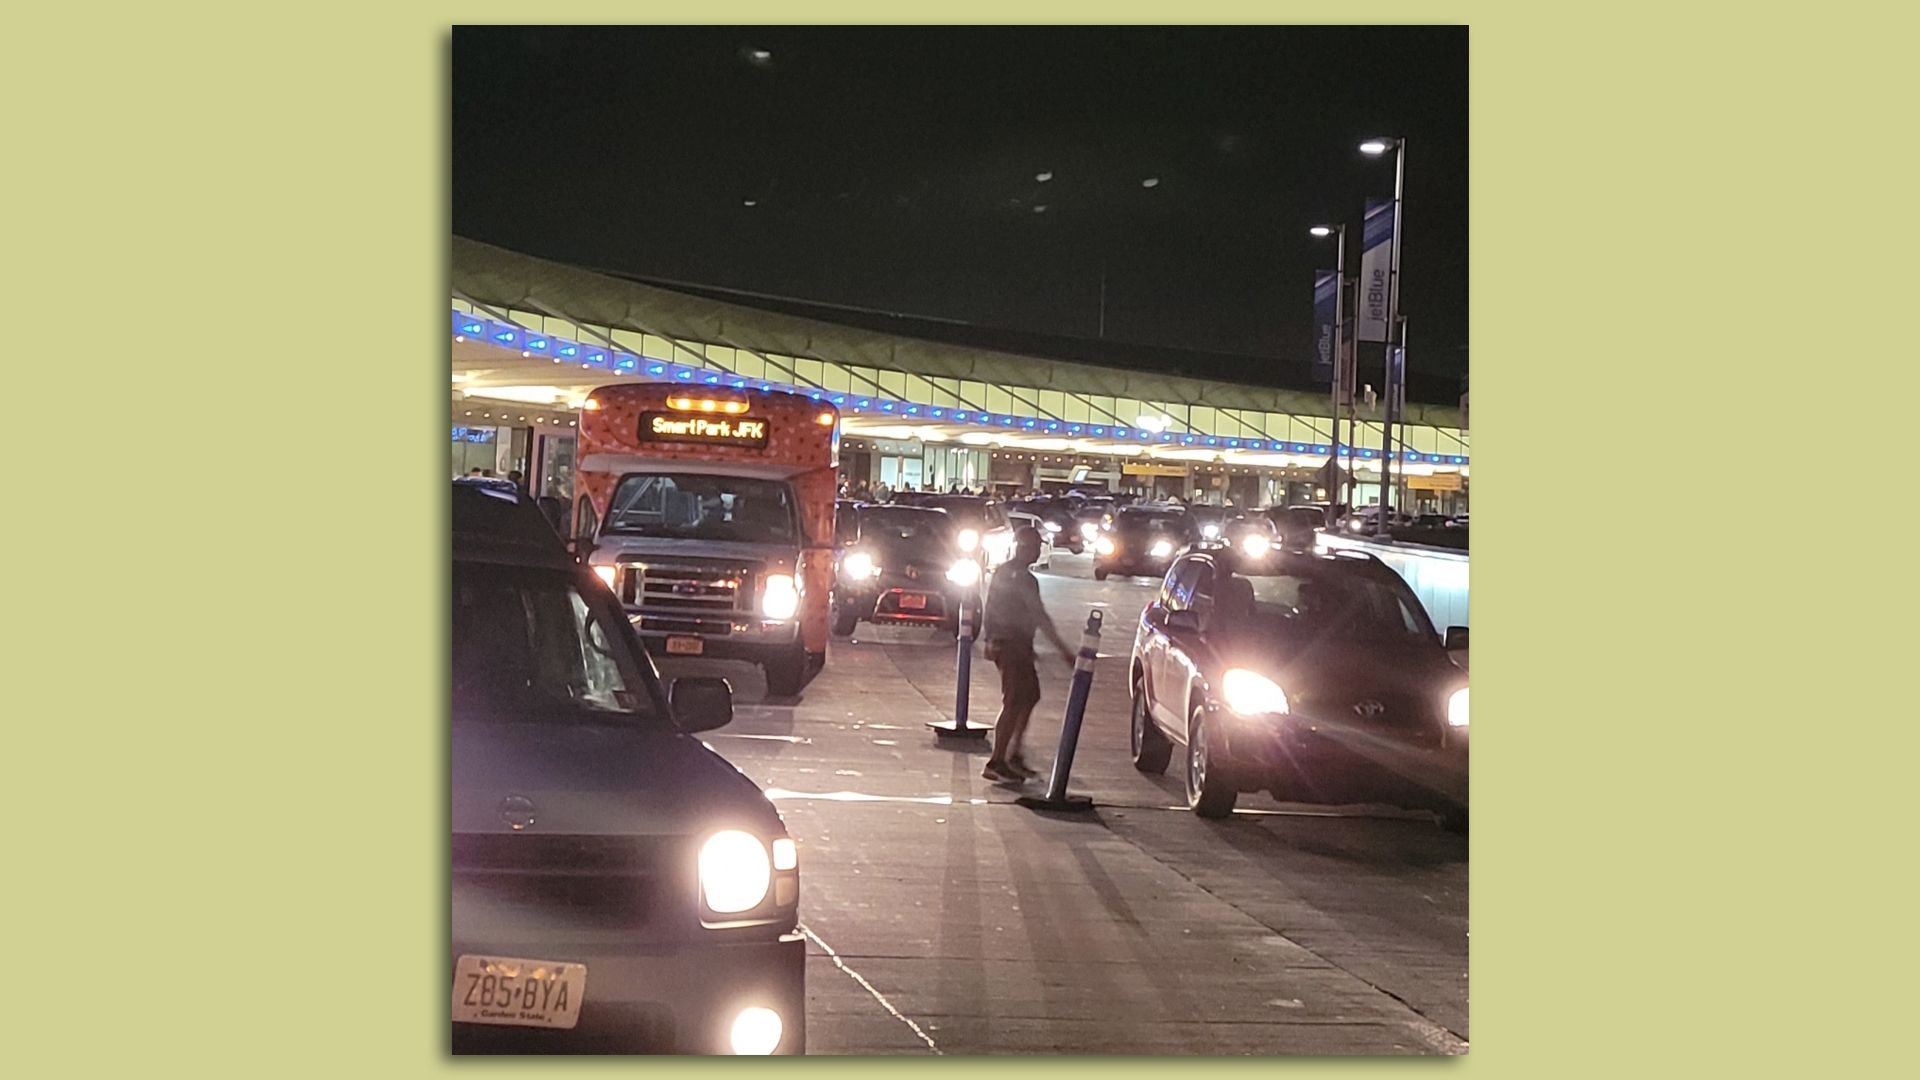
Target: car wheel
{"points": [[1099, 574], [1151, 750], [1208, 792], [845, 621], [786, 674]]}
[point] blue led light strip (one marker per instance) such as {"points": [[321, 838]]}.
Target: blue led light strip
{"points": [[528, 343]]}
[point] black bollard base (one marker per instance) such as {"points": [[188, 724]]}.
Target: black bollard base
{"points": [[1072, 804], [947, 729]]}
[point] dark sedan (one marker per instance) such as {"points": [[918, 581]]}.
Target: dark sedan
{"points": [[1318, 678], [1141, 541], [901, 564]]}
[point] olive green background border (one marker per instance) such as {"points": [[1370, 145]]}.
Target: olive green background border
{"points": [[225, 587]]}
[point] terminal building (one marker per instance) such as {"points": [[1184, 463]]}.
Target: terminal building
{"points": [[927, 403]]}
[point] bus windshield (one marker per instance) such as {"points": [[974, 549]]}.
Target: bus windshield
{"points": [[696, 506]]}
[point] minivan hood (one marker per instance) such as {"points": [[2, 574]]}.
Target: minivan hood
{"points": [[642, 779]]}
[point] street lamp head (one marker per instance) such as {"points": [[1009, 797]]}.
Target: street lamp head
{"points": [[1376, 147], [1322, 231]]}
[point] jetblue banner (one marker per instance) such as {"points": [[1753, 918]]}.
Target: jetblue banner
{"points": [[1326, 293], [1376, 262]]}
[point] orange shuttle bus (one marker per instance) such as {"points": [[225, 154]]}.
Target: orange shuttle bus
{"points": [[710, 512]]}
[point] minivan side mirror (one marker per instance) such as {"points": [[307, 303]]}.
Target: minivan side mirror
{"points": [[701, 703], [1456, 639], [1185, 620]]}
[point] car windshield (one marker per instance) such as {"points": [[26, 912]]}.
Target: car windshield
{"points": [[530, 645], [696, 506], [964, 509], [913, 528], [1299, 518], [1337, 606], [1149, 519]]}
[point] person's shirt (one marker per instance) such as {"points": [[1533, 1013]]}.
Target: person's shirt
{"points": [[1013, 608]]}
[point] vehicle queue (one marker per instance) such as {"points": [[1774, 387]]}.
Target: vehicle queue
{"points": [[617, 887]]}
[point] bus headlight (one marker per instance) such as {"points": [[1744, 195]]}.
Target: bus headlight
{"points": [[1254, 545], [969, 539], [964, 572], [858, 565], [1457, 708], [608, 574], [756, 1030], [1250, 693], [780, 599], [735, 872]]}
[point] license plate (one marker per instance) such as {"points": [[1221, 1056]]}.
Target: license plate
{"points": [[913, 601], [522, 993], [686, 646]]}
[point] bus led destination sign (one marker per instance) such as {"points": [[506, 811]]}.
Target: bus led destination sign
{"points": [[712, 430]]}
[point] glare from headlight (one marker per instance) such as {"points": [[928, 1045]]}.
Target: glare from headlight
{"points": [[1104, 545], [756, 1031], [858, 565], [1210, 531], [969, 539], [1255, 545], [734, 872], [1161, 549], [1250, 693], [607, 574], [786, 855], [1089, 530], [964, 572], [781, 597], [1457, 708]]}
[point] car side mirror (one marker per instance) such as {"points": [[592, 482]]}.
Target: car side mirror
{"points": [[1184, 620], [1456, 639], [701, 703]]}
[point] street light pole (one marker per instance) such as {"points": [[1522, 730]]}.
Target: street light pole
{"points": [[1339, 345], [1374, 148]]}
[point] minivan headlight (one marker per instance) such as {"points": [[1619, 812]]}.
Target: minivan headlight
{"points": [[1457, 708], [1255, 545], [858, 566], [969, 539], [781, 597], [1250, 693], [1162, 549], [1089, 530], [964, 572], [735, 872]]}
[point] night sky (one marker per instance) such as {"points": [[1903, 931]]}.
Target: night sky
{"points": [[894, 168]]}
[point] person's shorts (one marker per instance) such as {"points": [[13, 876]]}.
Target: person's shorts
{"points": [[1019, 679]]}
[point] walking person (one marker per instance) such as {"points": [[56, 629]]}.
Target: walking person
{"points": [[1013, 613]]}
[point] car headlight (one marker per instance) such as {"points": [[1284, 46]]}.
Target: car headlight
{"points": [[735, 872], [781, 597], [1250, 693], [1089, 530], [859, 565], [608, 574], [1104, 545], [1255, 545], [1161, 549], [1210, 531], [1457, 708], [969, 539], [964, 572], [1051, 526]]}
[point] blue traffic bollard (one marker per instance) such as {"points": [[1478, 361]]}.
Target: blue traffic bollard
{"points": [[962, 679], [1056, 797]]}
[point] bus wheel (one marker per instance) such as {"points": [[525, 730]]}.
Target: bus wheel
{"points": [[787, 673]]}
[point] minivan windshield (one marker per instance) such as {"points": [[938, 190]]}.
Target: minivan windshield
{"points": [[697, 506], [530, 645], [1337, 606], [907, 527]]}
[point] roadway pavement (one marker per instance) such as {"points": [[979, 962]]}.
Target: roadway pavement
{"points": [[943, 918]]}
